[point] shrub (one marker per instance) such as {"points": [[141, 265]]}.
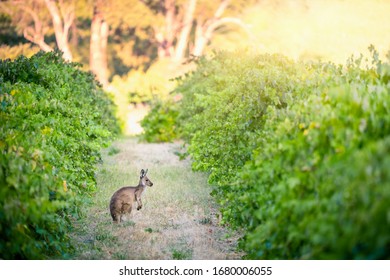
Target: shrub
{"points": [[223, 107], [317, 185], [54, 121], [160, 123], [298, 153]]}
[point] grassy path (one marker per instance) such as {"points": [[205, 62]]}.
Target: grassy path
{"points": [[179, 219]]}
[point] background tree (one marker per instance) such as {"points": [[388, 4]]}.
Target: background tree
{"points": [[62, 14], [129, 41], [30, 19], [115, 36], [98, 43], [38, 19], [177, 28], [208, 21], [183, 17]]}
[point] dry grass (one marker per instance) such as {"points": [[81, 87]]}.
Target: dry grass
{"points": [[179, 219]]}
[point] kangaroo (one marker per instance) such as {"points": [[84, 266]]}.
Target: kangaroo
{"points": [[122, 200]]}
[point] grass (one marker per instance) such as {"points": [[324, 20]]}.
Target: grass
{"points": [[182, 254], [113, 151], [179, 219]]}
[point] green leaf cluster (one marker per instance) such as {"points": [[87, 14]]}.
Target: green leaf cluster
{"points": [[318, 186], [224, 104], [298, 152], [160, 123], [54, 121]]}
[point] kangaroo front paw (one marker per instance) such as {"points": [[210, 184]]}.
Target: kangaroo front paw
{"points": [[139, 207]]}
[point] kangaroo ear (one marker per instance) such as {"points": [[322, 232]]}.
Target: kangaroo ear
{"points": [[146, 172], [142, 174]]}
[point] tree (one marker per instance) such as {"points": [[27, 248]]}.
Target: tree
{"points": [[98, 44], [206, 26], [178, 28], [35, 18], [181, 17], [183, 37], [130, 34], [62, 16]]}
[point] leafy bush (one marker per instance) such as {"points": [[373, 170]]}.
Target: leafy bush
{"points": [[317, 186], [299, 153], [160, 123], [146, 87], [223, 107], [54, 121]]}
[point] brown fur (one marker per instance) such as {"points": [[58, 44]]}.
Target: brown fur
{"points": [[122, 200]]}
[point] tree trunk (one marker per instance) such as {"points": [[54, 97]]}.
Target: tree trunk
{"points": [[170, 25], [98, 44], [173, 38], [182, 42], [103, 46], [61, 26], [162, 45], [35, 34], [74, 39], [166, 35], [200, 41], [205, 30]]}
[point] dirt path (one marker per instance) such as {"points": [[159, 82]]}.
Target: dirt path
{"points": [[179, 219]]}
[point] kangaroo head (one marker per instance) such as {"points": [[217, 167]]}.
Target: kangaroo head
{"points": [[144, 180]]}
